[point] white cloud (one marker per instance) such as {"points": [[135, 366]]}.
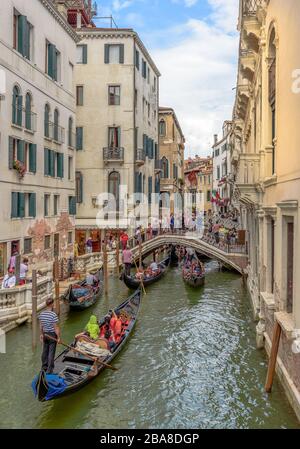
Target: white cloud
{"points": [[198, 74], [187, 3], [118, 5]]}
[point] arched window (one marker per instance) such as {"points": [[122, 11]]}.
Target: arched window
{"points": [[114, 187], [17, 107], [70, 133], [56, 124], [162, 128], [272, 93], [165, 167], [28, 112], [47, 121]]}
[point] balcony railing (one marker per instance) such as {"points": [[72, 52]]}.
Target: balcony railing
{"points": [[72, 139], [140, 156], [24, 118], [113, 154], [250, 7], [55, 132]]}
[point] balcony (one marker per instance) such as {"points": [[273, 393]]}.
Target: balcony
{"points": [[24, 119], [113, 154], [54, 132], [140, 157], [250, 7]]}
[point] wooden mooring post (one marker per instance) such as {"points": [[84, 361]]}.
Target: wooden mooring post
{"points": [[273, 357], [118, 252], [56, 283], [34, 310]]}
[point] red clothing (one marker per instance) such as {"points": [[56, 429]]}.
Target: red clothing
{"points": [[112, 324]]}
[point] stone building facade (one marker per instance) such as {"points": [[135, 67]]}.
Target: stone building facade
{"points": [[198, 174], [266, 164], [171, 148], [37, 126], [117, 86]]}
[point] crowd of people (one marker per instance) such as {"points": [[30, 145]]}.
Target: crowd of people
{"points": [[10, 279]]}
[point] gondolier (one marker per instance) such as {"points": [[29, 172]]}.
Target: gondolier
{"points": [[49, 326]]}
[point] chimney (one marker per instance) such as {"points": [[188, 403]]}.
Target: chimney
{"points": [[215, 139]]}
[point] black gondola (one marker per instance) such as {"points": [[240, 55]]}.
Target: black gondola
{"points": [[133, 283], [194, 279], [73, 371], [80, 296]]}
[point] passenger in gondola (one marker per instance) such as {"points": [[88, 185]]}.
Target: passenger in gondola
{"points": [[154, 267], [92, 328]]}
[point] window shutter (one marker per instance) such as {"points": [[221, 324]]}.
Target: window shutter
{"points": [[22, 26], [79, 187], [21, 211], [145, 144], [51, 60], [10, 153], [79, 138], [26, 40], [55, 77], [46, 161], [32, 157], [72, 205], [137, 59], [19, 110], [84, 54], [156, 153], [119, 137], [21, 151], [60, 165], [150, 189], [121, 54], [32, 205], [52, 163], [106, 53], [14, 204]]}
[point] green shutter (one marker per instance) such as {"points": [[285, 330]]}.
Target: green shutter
{"points": [[150, 189], [19, 110], [21, 208], [32, 205], [121, 60], [32, 157], [72, 205], [28, 122], [156, 153], [79, 138], [106, 53], [137, 59], [84, 54], [145, 144], [21, 151], [60, 165], [46, 161], [22, 34], [10, 153], [26, 40], [14, 205], [52, 163], [51, 60]]}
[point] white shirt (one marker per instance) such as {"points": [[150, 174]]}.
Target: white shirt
{"points": [[9, 282], [23, 270], [154, 266]]}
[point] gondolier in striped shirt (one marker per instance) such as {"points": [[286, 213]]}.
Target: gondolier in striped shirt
{"points": [[49, 326]]}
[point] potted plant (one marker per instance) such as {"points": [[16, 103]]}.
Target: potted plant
{"points": [[20, 168]]}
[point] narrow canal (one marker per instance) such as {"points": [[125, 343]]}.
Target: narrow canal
{"points": [[191, 363]]}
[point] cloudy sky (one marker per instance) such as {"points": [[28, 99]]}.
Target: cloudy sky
{"points": [[195, 46]]}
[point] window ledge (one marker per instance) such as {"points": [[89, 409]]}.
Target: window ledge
{"points": [[48, 138], [29, 131], [57, 142], [14, 125], [287, 324], [268, 182], [269, 300]]}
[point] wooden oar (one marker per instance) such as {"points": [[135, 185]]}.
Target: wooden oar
{"points": [[141, 280], [95, 359]]}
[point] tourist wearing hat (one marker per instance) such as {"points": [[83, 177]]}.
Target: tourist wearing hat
{"points": [[9, 280]]}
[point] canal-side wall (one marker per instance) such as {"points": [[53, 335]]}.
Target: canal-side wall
{"points": [[288, 363]]}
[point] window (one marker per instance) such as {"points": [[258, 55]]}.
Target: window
{"points": [[47, 121], [32, 157], [79, 187], [155, 84], [47, 242], [55, 205], [217, 152], [150, 189], [22, 35], [53, 163], [208, 196], [114, 54], [114, 95], [17, 105], [290, 267], [60, 165], [137, 59], [71, 140], [272, 53], [70, 238], [135, 98], [47, 205], [81, 54], [218, 172], [52, 61], [144, 68], [165, 167], [162, 128], [148, 110], [56, 125], [114, 186], [23, 205], [79, 95], [70, 167], [79, 138], [72, 205], [28, 112], [27, 246], [114, 137]]}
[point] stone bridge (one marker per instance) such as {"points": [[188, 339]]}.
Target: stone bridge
{"points": [[236, 261]]}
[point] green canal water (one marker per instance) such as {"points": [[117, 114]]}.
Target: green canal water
{"points": [[191, 363]]}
